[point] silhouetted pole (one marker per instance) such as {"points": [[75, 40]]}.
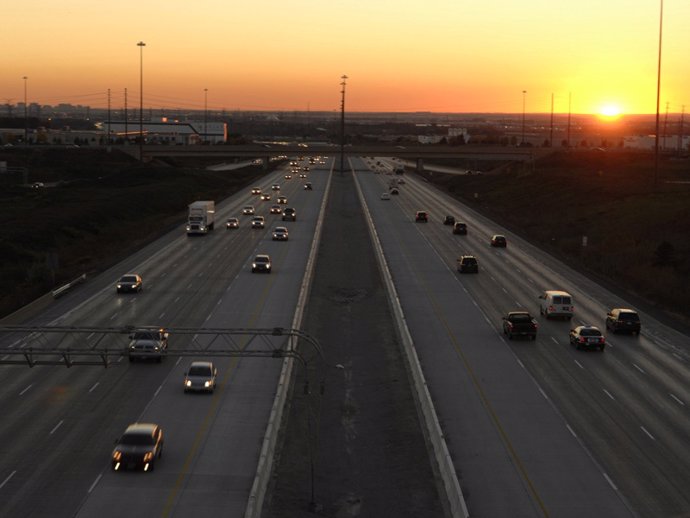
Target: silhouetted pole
{"points": [[658, 96], [342, 124], [107, 140], [141, 46], [205, 113], [126, 117], [551, 137], [524, 92], [26, 114], [570, 100], [680, 131]]}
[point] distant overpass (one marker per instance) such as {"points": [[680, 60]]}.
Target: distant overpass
{"points": [[417, 152]]}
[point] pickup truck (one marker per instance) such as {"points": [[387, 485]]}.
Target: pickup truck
{"points": [[148, 344], [520, 323]]}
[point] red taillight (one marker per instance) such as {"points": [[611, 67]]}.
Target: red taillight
{"points": [[582, 339], [601, 339], [536, 325], [510, 325]]}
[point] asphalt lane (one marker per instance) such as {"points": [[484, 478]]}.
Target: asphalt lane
{"points": [[367, 447], [513, 452], [61, 423]]}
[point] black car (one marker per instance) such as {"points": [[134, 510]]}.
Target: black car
{"points": [[139, 447], [148, 344], [468, 264], [449, 220], [499, 241], [289, 214], [587, 337], [460, 228], [422, 216], [130, 283], [623, 320], [261, 263]]}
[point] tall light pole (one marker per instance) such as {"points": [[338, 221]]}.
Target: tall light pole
{"points": [[524, 92], [342, 124], [205, 114], [26, 114], [141, 46], [658, 96]]}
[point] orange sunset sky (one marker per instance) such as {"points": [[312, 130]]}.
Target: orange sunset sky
{"points": [[433, 55]]}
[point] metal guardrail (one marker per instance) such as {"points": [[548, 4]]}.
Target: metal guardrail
{"points": [[67, 287]]}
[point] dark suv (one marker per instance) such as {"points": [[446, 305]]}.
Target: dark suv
{"points": [[289, 214], [625, 320], [148, 344], [139, 446], [468, 264]]}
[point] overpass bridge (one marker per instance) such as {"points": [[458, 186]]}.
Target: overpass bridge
{"points": [[416, 153]]}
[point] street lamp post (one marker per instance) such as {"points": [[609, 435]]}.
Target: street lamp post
{"points": [[523, 117], [342, 124], [205, 115], [141, 46], [26, 114], [658, 96]]}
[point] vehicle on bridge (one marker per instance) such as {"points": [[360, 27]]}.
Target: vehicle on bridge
{"points": [[147, 344]]}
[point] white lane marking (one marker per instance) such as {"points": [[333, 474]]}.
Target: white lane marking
{"points": [[529, 279], [487, 320], [543, 393], [90, 336], [179, 359], [161, 315], [555, 341], [517, 303], [518, 270], [56, 427], [114, 316], [579, 364], [639, 368], [504, 290], [465, 290], [178, 298], [610, 482], [649, 434], [163, 274], [475, 303], [492, 278], [521, 364], [571, 430], [207, 317], [677, 400], [120, 359], [27, 388], [98, 478], [678, 356], [158, 390], [93, 387], [13, 344], [7, 479], [220, 301], [609, 394], [190, 285]]}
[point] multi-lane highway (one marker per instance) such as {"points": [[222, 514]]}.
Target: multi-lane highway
{"points": [[59, 424], [533, 428], [528, 410]]}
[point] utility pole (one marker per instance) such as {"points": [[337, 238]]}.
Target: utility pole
{"points": [[126, 119], [141, 46], [205, 115], [570, 99], [342, 124], [658, 95], [524, 92], [551, 137], [26, 114], [680, 131], [107, 140], [663, 144]]}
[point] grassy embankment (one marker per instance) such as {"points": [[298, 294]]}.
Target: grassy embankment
{"points": [[95, 210]]}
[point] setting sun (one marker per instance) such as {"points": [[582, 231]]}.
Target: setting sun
{"points": [[610, 111]]}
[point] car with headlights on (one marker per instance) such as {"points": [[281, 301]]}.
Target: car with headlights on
{"points": [[261, 263], [138, 447], [148, 344], [275, 209], [128, 283], [248, 210], [232, 223], [275, 187], [266, 196], [587, 337], [308, 186], [280, 234], [289, 214], [282, 200], [288, 177], [258, 222], [200, 377], [256, 190]]}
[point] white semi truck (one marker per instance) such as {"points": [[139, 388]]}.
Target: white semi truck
{"points": [[201, 217]]}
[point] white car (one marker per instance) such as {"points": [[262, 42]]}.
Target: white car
{"points": [[280, 234], [385, 196], [248, 210], [201, 376]]}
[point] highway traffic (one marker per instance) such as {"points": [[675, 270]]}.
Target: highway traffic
{"points": [[534, 428]]}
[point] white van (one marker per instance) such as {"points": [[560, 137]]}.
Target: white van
{"points": [[554, 303]]}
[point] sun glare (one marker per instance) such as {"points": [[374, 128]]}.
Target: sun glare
{"points": [[610, 111]]}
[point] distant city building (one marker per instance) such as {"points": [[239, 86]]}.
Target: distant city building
{"points": [[168, 132], [648, 142]]}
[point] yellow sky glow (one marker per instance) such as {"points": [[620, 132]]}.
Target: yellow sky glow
{"points": [[437, 55]]}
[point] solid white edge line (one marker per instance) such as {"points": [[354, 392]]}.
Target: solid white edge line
{"points": [[608, 479], [571, 430], [98, 478], [27, 388], [7, 479]]}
